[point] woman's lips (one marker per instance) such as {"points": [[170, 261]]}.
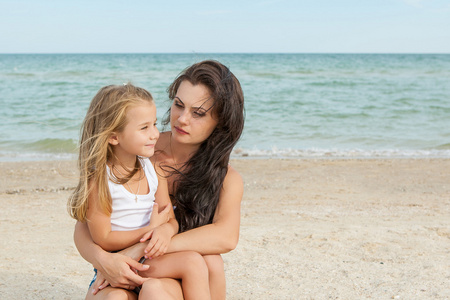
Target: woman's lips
{"points": [[179, 130]]}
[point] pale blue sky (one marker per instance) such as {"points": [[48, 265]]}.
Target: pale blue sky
{"points": [[147, 26]]}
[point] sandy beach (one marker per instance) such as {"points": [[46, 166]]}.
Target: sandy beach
{"points": [[311, 229]]}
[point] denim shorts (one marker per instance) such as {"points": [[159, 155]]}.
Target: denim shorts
{"points": [[93, 279]]}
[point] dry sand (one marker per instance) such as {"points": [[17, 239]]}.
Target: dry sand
{"points": [[311, 229]]}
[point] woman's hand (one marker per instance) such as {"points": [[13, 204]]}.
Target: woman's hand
{"points": [[99, 284], [117, 270]]}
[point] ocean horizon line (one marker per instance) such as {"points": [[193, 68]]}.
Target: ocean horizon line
{"points": [[225, 53]]}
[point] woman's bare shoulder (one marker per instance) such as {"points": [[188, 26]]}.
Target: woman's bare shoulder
{"points": [[163, 142], [233, 177], [161, 149], [230, 196]]}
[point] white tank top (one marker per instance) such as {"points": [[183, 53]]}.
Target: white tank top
{"points": [[127, 213]]}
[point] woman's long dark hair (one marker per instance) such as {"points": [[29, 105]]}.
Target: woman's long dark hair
{"points": [[198, 186]]}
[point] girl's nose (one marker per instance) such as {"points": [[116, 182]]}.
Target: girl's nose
{"points": [[154, 134]]}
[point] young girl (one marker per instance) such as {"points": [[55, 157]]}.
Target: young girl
{"points": [[118, 188]]}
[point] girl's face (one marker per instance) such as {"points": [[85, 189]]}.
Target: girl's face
{"points": [[191, 118], [140, 134]]}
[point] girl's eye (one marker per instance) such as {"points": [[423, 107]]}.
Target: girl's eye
{"points": [[145, 127], [178, 104]]}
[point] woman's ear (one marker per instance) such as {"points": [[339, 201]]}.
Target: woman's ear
{"points": [[113, 139]]}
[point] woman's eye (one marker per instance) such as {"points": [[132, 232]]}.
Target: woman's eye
{"points": [[199, 114], [177, 104], [145, 127]]}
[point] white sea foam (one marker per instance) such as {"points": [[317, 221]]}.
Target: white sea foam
{"points": [[35, 156], [274, 153], [338, 153]]}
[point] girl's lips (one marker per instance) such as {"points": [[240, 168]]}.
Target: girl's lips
{"points": [[179, 130]]}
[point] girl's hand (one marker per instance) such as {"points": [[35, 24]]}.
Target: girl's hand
{"points": [[158, 218], [159, 242], [146, 236]]}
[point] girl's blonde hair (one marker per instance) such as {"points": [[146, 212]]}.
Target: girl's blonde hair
{"points": [[107, 114]]}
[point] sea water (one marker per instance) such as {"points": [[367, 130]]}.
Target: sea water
{"points": [[297, 105]]}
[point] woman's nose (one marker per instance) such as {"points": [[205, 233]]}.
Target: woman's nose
{"points": [[184, 117]]}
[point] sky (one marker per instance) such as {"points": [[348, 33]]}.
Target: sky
{"points": [[229, 26]]}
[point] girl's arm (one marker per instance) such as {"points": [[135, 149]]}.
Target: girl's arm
{"points": [[161, 236], [223, 234], [116, 268], [99, 225]]}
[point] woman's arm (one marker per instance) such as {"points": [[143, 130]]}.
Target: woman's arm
{"points": [[116, 268], [223, 234]]}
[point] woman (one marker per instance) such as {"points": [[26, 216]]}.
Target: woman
{"points": [[206, 119]]}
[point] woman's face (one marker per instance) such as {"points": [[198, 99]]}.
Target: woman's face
{"points": [[191, 118]]}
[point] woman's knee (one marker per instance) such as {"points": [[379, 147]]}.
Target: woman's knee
{"points": [[165, 288], [111, 293], [151, 286], [195, 260], [119, 294]]}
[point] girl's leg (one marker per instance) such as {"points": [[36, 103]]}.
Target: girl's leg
{"points": [[110, 293], [216, 272], [189, 266], [161, 289]]}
